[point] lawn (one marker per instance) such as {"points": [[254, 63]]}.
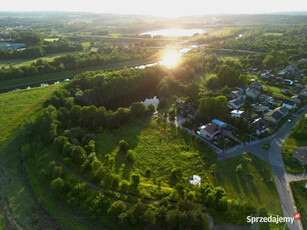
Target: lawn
{"points": [[158, 146], [297, 138], [51, 39], [300, 196], [86, 44], [255, 181], [275, 90], [18, 106]]}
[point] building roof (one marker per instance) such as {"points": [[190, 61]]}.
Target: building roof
{"points": [[210, 128], [260, 124], [283, 110], [237, 102], [219, 123], [238, 112], [288, 102], [300, 153], [275, 114]]}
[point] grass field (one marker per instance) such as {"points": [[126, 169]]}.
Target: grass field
{"points": [[297, 138], [17, 106], [86, 44], [253, 182], [158, 146], [275, 90], [300, 196], [51, 39], [27, 62]]}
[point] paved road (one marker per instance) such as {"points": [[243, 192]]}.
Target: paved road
{"points": [[274, 158]]}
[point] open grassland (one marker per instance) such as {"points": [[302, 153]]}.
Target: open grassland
{"points": [[253, 182], [158, 146], [17, 106], [300, 195], [297, 138], [51, 39]]}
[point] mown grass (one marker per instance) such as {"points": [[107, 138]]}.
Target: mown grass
{"points": [[158, 146], [86, 44], [300, 195], [297, 138], [255, 181], [18, 106], [275, 90]]}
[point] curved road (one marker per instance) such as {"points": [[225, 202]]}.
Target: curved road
{"points": [[147, 200], [274, 158]]}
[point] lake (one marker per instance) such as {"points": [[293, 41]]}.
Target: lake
{"points": [[174, 32]]}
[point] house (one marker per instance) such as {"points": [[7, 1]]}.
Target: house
{"points": [[236, 113], [260, 126], [242, 89], [300, 153], [265, 76], [195, 180], [256, 85], [219, 123], [283, 110], [261, 108], [234, 94], [295, 99], [252, 93], [274, 115], [288, 104], [288, 81], [209, 130], [264, 98], [185, 108], [303, 92], [291, 68], [236, 103]]}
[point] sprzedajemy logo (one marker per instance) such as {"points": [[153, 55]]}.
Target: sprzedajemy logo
{"points": [[272, 219]]}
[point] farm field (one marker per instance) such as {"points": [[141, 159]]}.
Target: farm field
{"points": [[18, 106]]}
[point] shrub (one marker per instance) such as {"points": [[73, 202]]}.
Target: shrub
{"points": [[123, 145]]}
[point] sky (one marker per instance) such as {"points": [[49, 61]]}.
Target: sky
{"points": [[171, 8]]}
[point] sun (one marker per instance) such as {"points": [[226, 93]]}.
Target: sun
{"points": [[170, 59]]}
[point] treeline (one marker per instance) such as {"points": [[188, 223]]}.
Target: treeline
{"points": [[70, 62], [41, 50]]}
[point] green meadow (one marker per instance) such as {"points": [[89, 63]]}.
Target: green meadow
{"points": [[18, 106]]}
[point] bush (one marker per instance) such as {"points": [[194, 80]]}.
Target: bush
{"points": [[123, 145], [239, 168], [130, 156]]}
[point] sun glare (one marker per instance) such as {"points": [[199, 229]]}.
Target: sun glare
{"points": [[170, 59]]}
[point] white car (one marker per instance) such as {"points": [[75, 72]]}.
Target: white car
{"points": [[289, 120]]}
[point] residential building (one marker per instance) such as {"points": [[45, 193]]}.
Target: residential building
{"points": [[289, 104], [295, 99], [256, 85], [261, 108], [236, 103], [219, 123], [260, 126], [264, 98], [236, 113], [209, 130], [291, 68], [252, 93], [274, 115]]}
